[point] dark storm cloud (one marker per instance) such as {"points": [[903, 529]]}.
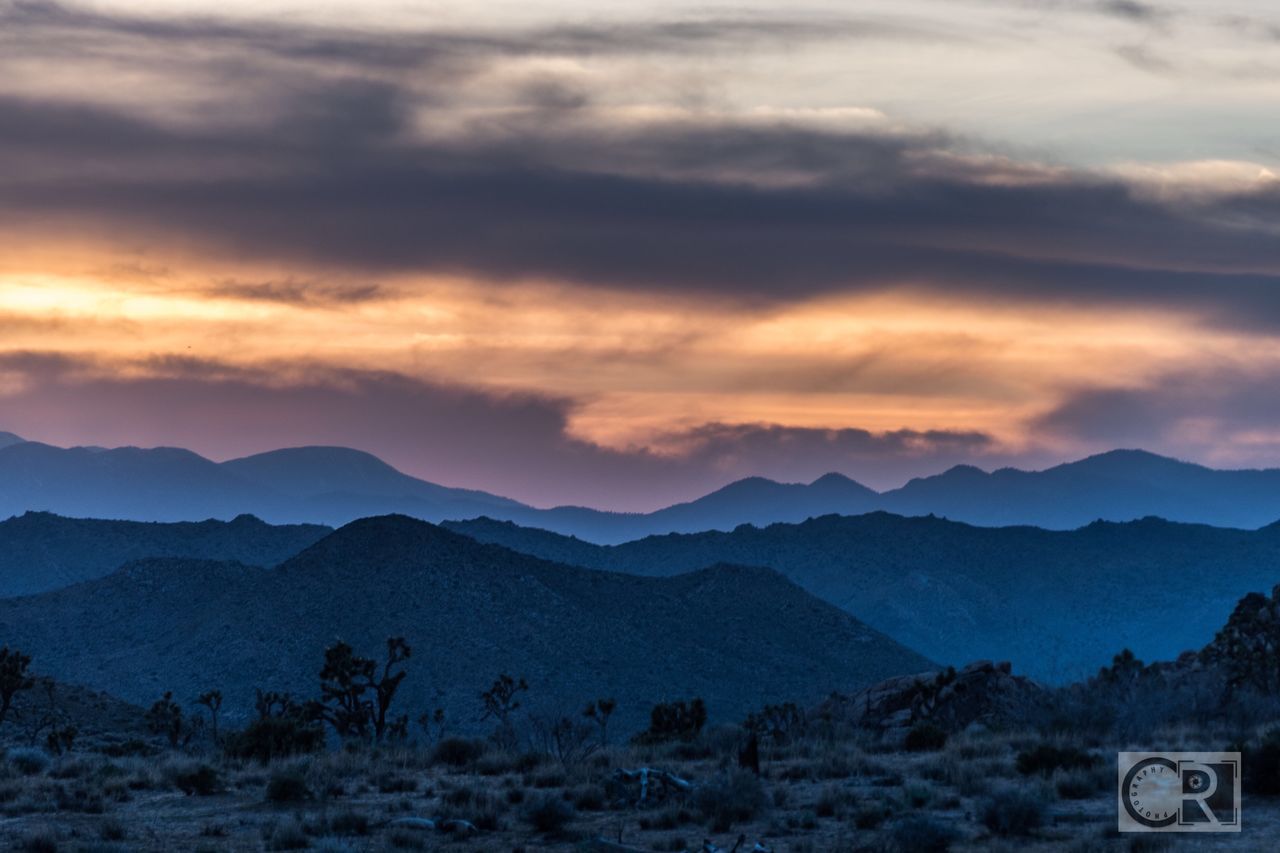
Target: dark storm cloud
{"points": [[1198, 406], [296, 292], [386, 49], [516, 443], [328, 171]]}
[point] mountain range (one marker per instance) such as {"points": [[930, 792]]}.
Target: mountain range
{"points": [[40, 551], [738, 637], [1058, 604], [333, 486]]}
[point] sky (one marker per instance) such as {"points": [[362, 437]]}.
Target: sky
{"points": [[621, 256]]}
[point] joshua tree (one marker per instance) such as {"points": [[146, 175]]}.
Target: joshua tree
{"points": [[599, 712], [433, 724], [384, 689], [355, 696], [165, 718], [14, 678], [500, 702], [213, 701]]}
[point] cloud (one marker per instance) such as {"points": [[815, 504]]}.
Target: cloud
{"points": [[1144, 58], [518, 444], [298, 292], [1224, 414]]}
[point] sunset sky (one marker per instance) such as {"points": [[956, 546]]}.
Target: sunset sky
{"points": [[621, 254]]}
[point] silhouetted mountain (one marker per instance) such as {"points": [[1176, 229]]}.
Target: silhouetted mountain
{"points": [[333, 485], [8, 438], [1122, 485], [1058, 604], [41, 551], [163, 484], [308, 484], [736, 636]]}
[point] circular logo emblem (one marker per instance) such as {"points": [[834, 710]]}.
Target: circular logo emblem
{"points": [[1152, 792]]}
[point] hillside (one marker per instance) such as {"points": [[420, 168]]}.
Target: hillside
{"points": [[1057, 603], [40, 551], [737, 636]]}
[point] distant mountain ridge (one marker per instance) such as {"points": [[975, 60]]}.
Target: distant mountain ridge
{"points": [[1058, 604], [738, 637], [334, 485], [41, 551]]}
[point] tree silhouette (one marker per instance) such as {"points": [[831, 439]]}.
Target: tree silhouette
{"points": [[213, 701], [599, 712], [165, 718], [500, 702], [355, 696], [14, 678]]}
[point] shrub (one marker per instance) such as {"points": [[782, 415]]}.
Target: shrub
{"points": [[331, 845], [736, 796], [42, 841], [1044, 758], [28, 760], [1076, 784], [549, 814], [111, 829], [1012, 812], [349, 822], [1260, 773], [128, 748], [675, 721], [920, 834], [871, 815], [270, 738], [288, 836], [287, 786], [925, 737], [198, 779], [589, 798], [457, 751], [393, 783], [402, 839]]}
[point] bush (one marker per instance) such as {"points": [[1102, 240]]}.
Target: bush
{"points": [[28, 760], [1012, 813], [457, 751], [925, 737], [589, 798], [871, 815], [270, 738], [736, 796], [331, 845], [549, 814], [288, 836], [349, 822], [920, 834], [198, 779], [1260, 773], [287, 786], [1077, 785], [1045, 758], [112, 829], [675, 721]]}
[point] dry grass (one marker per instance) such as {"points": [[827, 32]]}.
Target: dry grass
{"points": [[829, 793]]}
